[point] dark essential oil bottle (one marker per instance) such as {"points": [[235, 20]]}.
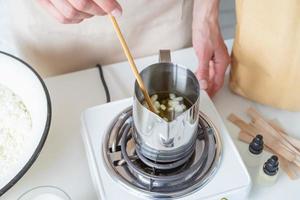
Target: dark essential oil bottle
{"points": [[254, 152], [268, 173]]}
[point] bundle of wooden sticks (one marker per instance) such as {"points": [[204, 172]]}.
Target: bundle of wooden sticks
{"points": [[276, 140]]}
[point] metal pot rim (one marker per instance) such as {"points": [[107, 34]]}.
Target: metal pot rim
{"points": [[136, 87]]}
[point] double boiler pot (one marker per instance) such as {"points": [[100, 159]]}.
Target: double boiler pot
{"points": [[157, 139]]}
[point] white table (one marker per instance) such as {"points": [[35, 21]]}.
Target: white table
{"points": [[63, 163]]}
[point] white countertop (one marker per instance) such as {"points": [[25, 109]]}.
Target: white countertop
{"points": [[63, 163]]}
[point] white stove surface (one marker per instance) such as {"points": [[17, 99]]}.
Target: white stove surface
{"points": [[231, 180]]}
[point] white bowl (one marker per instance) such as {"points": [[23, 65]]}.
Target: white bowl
{"points": [[19, 77], [45, 193]]}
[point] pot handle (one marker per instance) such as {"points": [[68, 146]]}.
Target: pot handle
{"points": [[165, 56]]}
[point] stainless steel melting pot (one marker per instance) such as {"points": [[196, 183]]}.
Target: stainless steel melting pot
{"points": [[156, 138]]}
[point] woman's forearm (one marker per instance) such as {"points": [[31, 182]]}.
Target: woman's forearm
{"points": [[209, 46], [205, 11]]}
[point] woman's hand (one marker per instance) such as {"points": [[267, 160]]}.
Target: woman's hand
{"points": [[209, 45], [75, 11]]}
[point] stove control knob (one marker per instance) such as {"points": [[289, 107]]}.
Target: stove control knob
{"points": [[224, 198]]}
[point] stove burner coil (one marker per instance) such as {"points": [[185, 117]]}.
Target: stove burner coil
{"points": [[165, 182], [163, 166], [154, 179]]}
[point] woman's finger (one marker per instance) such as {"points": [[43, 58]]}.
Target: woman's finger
{"points": [[218, 80], [55, 13], [66, 9], [110, 6], [212, 73], [221, 62], [87, 6], [204, 58], [202, 81]]}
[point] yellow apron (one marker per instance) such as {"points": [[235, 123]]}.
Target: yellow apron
{"points": [[266, 52]]}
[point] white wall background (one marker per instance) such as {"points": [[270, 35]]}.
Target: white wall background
{"points": [[227, 18]]}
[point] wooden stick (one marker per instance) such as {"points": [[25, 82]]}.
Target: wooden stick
{"points": [[245, 137], [271, 142], [287, 166], [131, 62], [264, 126], [275, 124], [243, 125], [266, 133], [293, 141]]}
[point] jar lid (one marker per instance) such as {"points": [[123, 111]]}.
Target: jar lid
{"points": [[257, 145], [271, 167]]}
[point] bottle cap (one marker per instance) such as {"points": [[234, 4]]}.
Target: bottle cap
{"points": [[271, 167], [257, 145]]}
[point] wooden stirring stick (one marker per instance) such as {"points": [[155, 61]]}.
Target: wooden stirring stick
{"points": [[131, 62]]}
